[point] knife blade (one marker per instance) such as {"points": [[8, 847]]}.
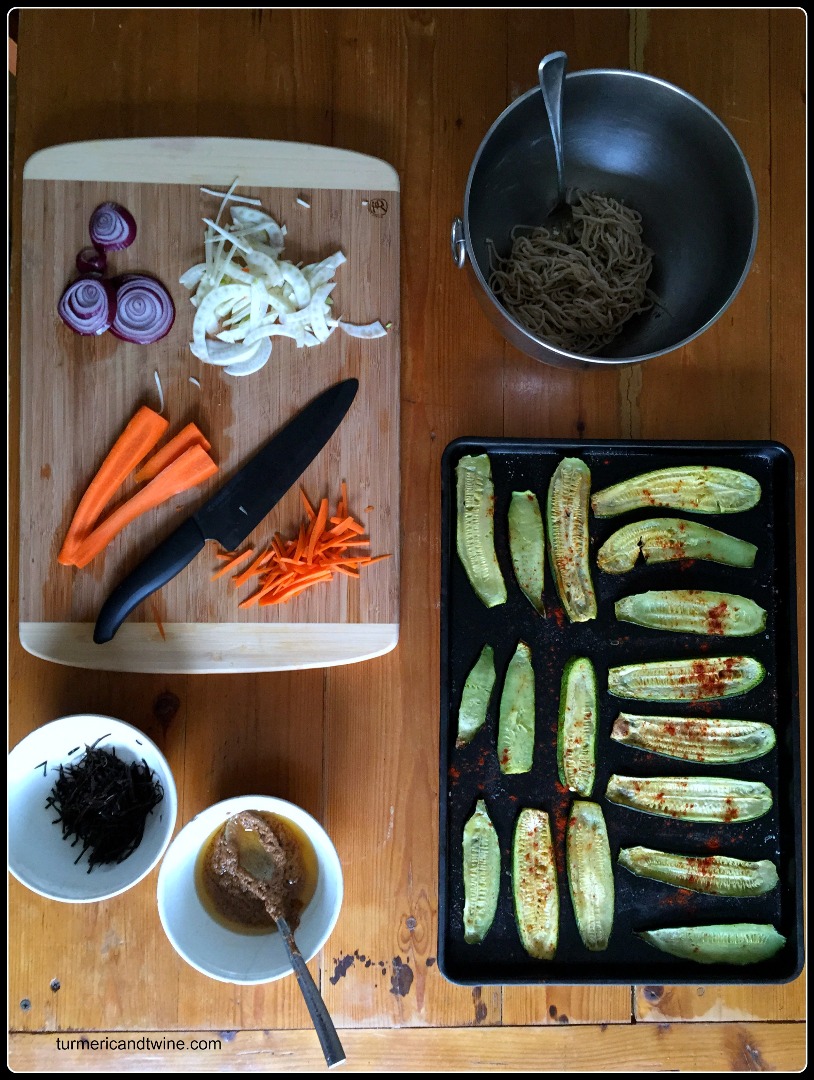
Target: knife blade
{"points": [[237, 507]]}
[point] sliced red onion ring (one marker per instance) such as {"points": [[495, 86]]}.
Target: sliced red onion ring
{"points": [[112, 227], [88, 306], [144, 309], [91, 261]]}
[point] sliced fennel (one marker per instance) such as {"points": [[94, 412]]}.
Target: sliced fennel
{"points": [[245, 293]]}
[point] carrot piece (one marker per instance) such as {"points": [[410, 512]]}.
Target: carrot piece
{"points": [[232, 563], [251, 569], [136, 441], [318, 526], [190, 469], [310, 511], [186, 437]]}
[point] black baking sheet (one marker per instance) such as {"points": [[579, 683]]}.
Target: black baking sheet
{"points": [[472, 772]]}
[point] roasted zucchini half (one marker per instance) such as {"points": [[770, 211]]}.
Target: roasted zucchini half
{"points": [[576, 730], [708, 739], [475, 528], [568, 538], [515, 732], [693, 611], [718, 875], [527, 546], [534, 885], [703, 678], [590, 874], [692, 798], [735, 943], [477, 691], [481, 873], [702, 489], [666, 539]]}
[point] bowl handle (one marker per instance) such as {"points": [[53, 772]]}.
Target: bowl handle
{"points": [[458, 243]]}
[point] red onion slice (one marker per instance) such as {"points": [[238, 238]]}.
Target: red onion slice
{"points": [[91, 261], [112, 227], [88, 306], [144, 309]]}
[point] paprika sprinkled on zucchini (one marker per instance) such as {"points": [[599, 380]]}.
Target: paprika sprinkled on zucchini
{"points": [[667, 539], [568, 539], [692, 798], [481, 873], [534, 884], [475, 528], [576, 731], [702, 489], [707, 739], [590, 874], [693, 611], [703, 678], [735, 943], [718, 875]]}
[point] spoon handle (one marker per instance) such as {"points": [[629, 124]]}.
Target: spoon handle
{"points": [[328, 1038], [551, 72]]}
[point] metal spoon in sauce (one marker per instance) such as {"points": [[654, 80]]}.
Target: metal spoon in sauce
{"points": [[254, 859]]}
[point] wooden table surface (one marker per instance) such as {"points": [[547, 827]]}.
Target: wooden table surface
{"points": [[358, 746]]}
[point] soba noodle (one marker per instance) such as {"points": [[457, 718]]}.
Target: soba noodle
{"points": [[577, 288]]}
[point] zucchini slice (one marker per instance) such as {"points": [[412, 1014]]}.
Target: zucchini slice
{"points": [[692, 798], [666, 539], [576, 731], [481, 859], [718, 875], [710, 740], [702, 489], [527, 546], [567, 527], [515, 732], [704, 678], [534, 885], [476, 528], [477, 691], [735, 943], [693, 611], [590, 874]]}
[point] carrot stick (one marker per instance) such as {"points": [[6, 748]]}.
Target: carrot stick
{"points": [[232, 563], [136, 441], [186, 437], [251, 569], [190, 469]]}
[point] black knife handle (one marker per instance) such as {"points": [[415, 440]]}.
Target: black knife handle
{"points": [[160, 566]]}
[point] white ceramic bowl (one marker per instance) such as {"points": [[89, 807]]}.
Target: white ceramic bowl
{"points": [[38, 856], [212, 948]]}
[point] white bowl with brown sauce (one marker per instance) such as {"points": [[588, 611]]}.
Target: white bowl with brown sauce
{"points": [[212, 914]]}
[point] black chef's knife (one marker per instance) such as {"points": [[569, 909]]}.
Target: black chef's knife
{"points": [[237, 508]]}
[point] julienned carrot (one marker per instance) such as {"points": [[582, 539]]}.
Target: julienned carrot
{"points": [[136, 441], [252, 569], [190, 469], [233, 561], [186, 437], [290, 567]]}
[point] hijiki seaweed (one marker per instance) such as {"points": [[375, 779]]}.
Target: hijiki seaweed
{"points": [[104, 802]]}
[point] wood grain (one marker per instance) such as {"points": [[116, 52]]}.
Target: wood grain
{"points": [[78, 393], [358, 746]]}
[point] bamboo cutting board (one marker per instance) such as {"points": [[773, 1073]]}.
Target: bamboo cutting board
{"points": [[78, 393]]}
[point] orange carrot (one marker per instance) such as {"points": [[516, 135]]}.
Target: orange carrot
{"points": [[290, 567], [136, 441], [232, 563], [186, 437], [190, 469]]}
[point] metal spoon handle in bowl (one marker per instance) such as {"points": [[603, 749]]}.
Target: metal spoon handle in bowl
{"points": [[551, 72], [328, 1038]]}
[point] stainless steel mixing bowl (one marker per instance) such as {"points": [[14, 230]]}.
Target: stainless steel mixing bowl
{"points": [[640, 140]]}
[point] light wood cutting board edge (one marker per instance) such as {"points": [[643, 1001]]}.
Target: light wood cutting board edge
{"points": [[189, 648]]}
